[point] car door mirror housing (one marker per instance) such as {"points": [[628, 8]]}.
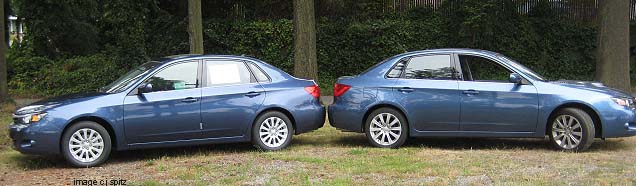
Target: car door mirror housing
{"points": [[144, 88], [515, 78]]}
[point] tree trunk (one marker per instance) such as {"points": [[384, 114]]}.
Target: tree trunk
{"points": [[4, 90], [305, 57], [195, 26], [612, 65]]}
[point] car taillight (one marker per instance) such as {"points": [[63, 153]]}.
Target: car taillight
{"points": [[314, 90], [340, 89]]}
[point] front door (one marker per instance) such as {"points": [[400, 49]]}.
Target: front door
{"points": [[170, 112], [490, 103]]}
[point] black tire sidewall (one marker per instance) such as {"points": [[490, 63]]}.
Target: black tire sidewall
{"points": [[587, 126], [80, 125], [404, 125], [256, 140]]}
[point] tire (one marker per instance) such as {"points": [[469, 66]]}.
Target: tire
{"points": [[386, 134], [570, 125], [86, 153], [268, 124]]}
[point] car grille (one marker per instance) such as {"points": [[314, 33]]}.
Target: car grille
{"points": [[17, 120]]}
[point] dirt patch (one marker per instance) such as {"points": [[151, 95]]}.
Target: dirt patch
{"points": [[474, 180]]}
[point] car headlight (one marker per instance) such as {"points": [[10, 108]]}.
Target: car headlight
{"points": [[29, 118], [29, 114], [626, 102]]}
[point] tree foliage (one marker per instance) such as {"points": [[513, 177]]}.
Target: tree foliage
{"points": [[127, 33]]}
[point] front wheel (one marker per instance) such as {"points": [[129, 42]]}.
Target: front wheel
{"points": [[272, 131], [572, 129], [86, 144], [387, 128]]}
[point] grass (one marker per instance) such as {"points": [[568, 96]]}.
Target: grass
{"points": [[5, 118], [330, 157]]}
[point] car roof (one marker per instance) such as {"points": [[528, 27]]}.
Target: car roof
{"points": [[192, 56], [171, 58], [454, 50]]}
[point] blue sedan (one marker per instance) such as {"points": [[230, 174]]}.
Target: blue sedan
{"points": [[176, 101], [476, 93]]}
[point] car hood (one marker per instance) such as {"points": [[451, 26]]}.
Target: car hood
{"points": [[591, 86], [68, 99]]}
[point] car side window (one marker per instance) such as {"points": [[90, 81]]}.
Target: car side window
{"points": [[176, 77], [475, 68], [221, 73], [396, 71], [258, 73], [436, 67]]}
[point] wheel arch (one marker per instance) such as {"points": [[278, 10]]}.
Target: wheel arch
{"points": [[383, 105], [96, 119], [598, 125], [278, 109]]}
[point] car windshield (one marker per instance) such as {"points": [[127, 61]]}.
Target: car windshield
{"points": [[524, 69], [124, 81]]}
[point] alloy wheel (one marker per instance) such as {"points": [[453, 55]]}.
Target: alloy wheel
{"points": [[273, 132], [567, 131], [86, 145], [385, 129]]}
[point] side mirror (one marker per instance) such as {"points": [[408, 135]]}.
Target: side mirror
{"points": [[144, 88], [515, 78]]}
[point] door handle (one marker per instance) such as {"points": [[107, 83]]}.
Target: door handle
{"points": [[189, 100], [471, 91], [252, 94], [406, 89]]}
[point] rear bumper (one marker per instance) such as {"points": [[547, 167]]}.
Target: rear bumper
{"points": [[310, 119], [27, 140], [344, 118]]}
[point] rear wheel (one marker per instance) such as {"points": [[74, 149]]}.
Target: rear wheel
{"points": [[272, 131], [86, 144], [572, 129], [386, 128]]}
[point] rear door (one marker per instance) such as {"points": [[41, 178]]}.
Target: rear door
{"points": [[231, 97], [428, 91]]}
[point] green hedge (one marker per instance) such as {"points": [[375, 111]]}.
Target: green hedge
{"points": [[558, 49], [350, 47], [270, 41], [42, 76]]}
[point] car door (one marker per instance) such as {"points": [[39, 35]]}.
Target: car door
{"points": [[427, 89], [231, 97], [489, 102], [170, 111]]}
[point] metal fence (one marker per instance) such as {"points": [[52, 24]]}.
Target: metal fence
{"points": [[583, 10], [577, 10]]}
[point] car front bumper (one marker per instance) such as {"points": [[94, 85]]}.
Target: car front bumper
{"points": [[621, 123], [28, 140]]}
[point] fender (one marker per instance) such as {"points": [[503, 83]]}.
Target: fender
{"points": [[119, 142]]}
